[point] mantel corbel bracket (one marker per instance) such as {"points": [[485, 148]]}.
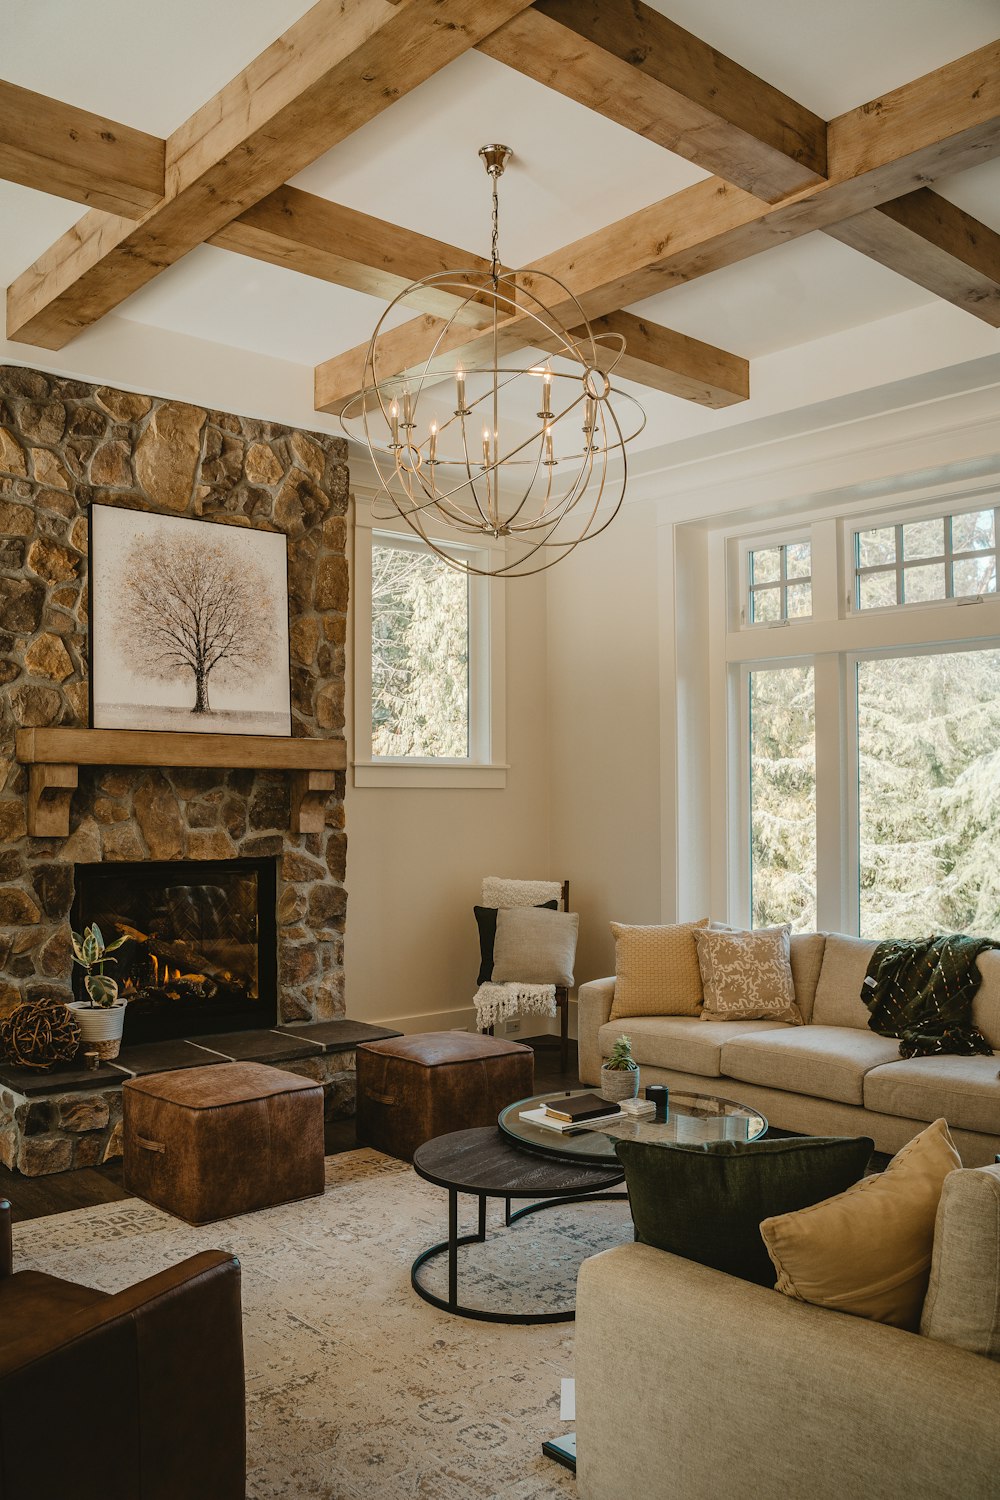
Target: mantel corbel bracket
{"points": [[50, 792]]}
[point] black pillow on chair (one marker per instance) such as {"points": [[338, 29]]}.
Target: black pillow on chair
{"points": [[486, 916]]}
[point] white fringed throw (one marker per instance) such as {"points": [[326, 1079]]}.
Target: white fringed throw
{"points": [[500, 892], [497, 1002]]}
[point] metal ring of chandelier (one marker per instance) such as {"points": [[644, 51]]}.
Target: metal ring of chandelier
{"points": [[481, 461]]}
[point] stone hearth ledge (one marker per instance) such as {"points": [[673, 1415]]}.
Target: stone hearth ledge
{"points": [[72, 1117]]}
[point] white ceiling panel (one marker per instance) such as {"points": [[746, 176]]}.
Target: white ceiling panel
{"points": [[978, 192], [832, 58], [573, 171], [797, 292]]}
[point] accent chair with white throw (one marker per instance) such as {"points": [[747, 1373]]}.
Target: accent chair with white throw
{"points": [[527, 939]]}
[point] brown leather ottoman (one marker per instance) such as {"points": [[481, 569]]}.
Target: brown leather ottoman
{"points": [[413, 1088], [209, 1143]]}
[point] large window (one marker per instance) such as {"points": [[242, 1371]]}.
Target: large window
{"points": [[783, 797], [928, 747], [428, 678], [863, 751]]}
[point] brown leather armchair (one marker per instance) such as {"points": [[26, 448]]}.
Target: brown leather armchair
{"points": [[135, 1396]]}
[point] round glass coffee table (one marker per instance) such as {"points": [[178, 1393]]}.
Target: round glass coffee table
{"points": [[692, 1119], [507, 1163]]}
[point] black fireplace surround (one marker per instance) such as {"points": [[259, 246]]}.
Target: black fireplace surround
{"points": [[201, 955]]}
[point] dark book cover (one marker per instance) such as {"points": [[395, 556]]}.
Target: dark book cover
{"points": [[583, 1107]]}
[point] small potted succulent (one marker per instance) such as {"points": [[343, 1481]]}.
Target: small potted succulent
{"points": [[102, 1014], [620, 1074]]}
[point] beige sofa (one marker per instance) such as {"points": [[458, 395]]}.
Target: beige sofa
{"points": [[691, 1385], [831, 1076]]}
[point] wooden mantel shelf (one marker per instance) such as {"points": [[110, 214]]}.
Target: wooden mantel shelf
{"points": [[54, 757]]}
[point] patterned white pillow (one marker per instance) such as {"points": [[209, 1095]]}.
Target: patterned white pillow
{"points": [[747, 976]]}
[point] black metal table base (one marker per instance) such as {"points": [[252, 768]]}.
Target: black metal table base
{"points": [[453, 1243]]}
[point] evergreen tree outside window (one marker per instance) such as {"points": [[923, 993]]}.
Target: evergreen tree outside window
{"points": [[783, 797], [420, 653]]}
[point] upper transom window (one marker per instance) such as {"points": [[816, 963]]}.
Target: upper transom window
{"points": [[779, 583], [920, 562]]}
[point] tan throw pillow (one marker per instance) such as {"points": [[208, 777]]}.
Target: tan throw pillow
{"points": [[534, 946], [868, 1250], [656, 970], [747, 976]]}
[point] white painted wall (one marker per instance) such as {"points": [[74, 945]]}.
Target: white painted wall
{"points": [[416, 857], [604, 731]]}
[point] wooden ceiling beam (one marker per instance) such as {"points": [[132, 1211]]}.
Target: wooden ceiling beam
{"points": [[302, 232], [637, 67], [72, 153], [337, 67], [932, 242], [945, 122]]}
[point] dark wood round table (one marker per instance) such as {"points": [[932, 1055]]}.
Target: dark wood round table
{"points": [[485, 1164]]}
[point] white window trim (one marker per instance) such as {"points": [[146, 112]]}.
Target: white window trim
{"points": [[486, 766]]}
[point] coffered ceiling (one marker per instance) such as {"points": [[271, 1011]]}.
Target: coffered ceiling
{"points": [[778, 286]]}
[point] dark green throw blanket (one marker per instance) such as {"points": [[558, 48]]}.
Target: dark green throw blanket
{"points": [[921, 990]]}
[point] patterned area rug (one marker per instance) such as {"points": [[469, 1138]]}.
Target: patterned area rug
{"points": [[357, 1389]]}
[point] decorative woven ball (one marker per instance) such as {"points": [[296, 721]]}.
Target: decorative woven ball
{"points": [[39, 1034]]}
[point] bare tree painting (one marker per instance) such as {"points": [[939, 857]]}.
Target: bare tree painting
{"points": [[193, 611], [189, 625]]}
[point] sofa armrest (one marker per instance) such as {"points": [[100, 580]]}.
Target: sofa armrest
{"points": [[593, 1010], [6, 1245], [690, 1382], [166, 1357]]}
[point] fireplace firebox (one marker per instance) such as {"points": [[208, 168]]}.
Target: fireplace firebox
{"points": [[201, 954]]}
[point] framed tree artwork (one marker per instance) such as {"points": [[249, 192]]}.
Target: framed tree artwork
{"points": [[188, 625]]}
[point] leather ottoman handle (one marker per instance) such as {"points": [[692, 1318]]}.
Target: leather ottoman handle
{"points": [[148, 1145]]}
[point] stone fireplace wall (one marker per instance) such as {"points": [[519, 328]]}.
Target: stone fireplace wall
{"points": [[63, 444]]}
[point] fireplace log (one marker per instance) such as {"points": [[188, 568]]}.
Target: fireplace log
{"points": [[183, 956]]}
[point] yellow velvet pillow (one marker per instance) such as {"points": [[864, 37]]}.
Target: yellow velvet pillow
{"points": [[656, 970], [867, 1251]]}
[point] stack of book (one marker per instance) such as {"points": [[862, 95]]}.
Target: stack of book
{"points": [[575, 1112]]}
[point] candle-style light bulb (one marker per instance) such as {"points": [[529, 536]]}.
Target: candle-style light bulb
{"points": [[547, 392], [486, 447], [394, 423], [549, 455], [407, 409], [460, 388], [433, 444]]}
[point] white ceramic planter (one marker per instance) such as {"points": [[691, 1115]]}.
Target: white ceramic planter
{"points": [[100, 1027], [619, 1083]]}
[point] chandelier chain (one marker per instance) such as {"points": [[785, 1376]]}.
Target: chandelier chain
{"points": [[495, 243]]}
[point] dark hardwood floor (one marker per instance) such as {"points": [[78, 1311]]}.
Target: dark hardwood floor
{"points": [[35, 1197]]}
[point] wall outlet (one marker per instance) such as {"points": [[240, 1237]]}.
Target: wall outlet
{"points": [[512, 1028]]}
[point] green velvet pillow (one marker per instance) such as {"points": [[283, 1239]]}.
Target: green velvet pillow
{"points": [[706, 1202]]}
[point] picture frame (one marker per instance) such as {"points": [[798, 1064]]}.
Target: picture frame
{"points": [[189, 628]]}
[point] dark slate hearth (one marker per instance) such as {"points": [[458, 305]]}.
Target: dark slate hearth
{"points": [[164, 1057], [66, 1079], [261, 1046], [340, 1036]]}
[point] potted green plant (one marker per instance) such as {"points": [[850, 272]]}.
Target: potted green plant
{"points": [[620, 1074], [102, 1014]]}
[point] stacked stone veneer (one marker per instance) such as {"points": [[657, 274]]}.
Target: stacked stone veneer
{"points": [[63, 444]]}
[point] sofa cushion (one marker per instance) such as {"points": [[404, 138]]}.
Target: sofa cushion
{"points": [[964, 1090], [828, 1062], [867, 1251], [747, 975], [683, 1043], [706, 1201], [838, 993], [986, 1001], [656, 970], [807, 950], [963, 1300]]}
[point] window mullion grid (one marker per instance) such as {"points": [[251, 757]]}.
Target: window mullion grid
{"points": [[832, 853], [949, 559], [899, 563]]}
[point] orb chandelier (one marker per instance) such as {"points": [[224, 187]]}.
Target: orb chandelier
{"points": [[492, 448]]}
